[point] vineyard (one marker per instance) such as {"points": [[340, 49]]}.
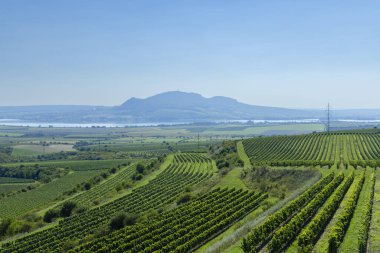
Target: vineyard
{"points": [[184, 228], [301, 225], [316, 149], [163, 189], [23, 202], [101, 190], [303, 193]]}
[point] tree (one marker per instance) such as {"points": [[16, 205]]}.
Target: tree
{"points": [[87, 186], [121, 220], [50, 215], [184, 198], [67, 208], [140, 168], [4, 225]]}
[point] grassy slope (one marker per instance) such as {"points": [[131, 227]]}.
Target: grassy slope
{"points": [[374, 232], [350, 242], [232, 179], [243, 156]]}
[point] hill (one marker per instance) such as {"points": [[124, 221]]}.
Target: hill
{"points": [[189, 107], [173, 106]]}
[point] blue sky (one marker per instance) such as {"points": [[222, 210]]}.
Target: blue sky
{"points": [[290, 53]]}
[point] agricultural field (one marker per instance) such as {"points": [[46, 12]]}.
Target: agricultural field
{"points": [[24, 202], [31, 150], [136, 191], [360, 148]]}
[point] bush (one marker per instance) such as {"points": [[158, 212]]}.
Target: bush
{"points": [[50, 215], [81, 209], [121, 220], [87, 186], [67, 208], [184, 198], [4, 225], [137, 177], [140, 168]]}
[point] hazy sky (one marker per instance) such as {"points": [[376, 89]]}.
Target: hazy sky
{"points": [[290, 53]]}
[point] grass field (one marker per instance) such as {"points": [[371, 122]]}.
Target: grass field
{"points": [[8, 188], [31, 150], [76, 165], [10, 180], [232, 179], [243, 156]]}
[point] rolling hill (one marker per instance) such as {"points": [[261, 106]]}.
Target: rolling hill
{"points": [[173, 106]]}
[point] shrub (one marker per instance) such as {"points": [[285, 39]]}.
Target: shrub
{"points": [[184, 198], [50, 215], [67, 208], [87, 186], [121, 220], [140, 168]]}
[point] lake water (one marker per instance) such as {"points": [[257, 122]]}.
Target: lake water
{"points": [[15, 122]]}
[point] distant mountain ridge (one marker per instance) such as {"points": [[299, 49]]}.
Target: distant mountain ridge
{"points": [[172, 106], [176, 105]]}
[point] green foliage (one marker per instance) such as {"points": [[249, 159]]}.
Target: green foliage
{"points": [[140, 168], [314, 229], [288, 232], [36, 172], [50, 215], [184, 228], [225, 155], [365, 225], [4, 225], [277, 182], [160, 191], [358, 149], [184, 198], [87, 186], [100, 191], [261, 233], [67, 208], [19, 204], [340, 227], [121, 220], [10, 227]]}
